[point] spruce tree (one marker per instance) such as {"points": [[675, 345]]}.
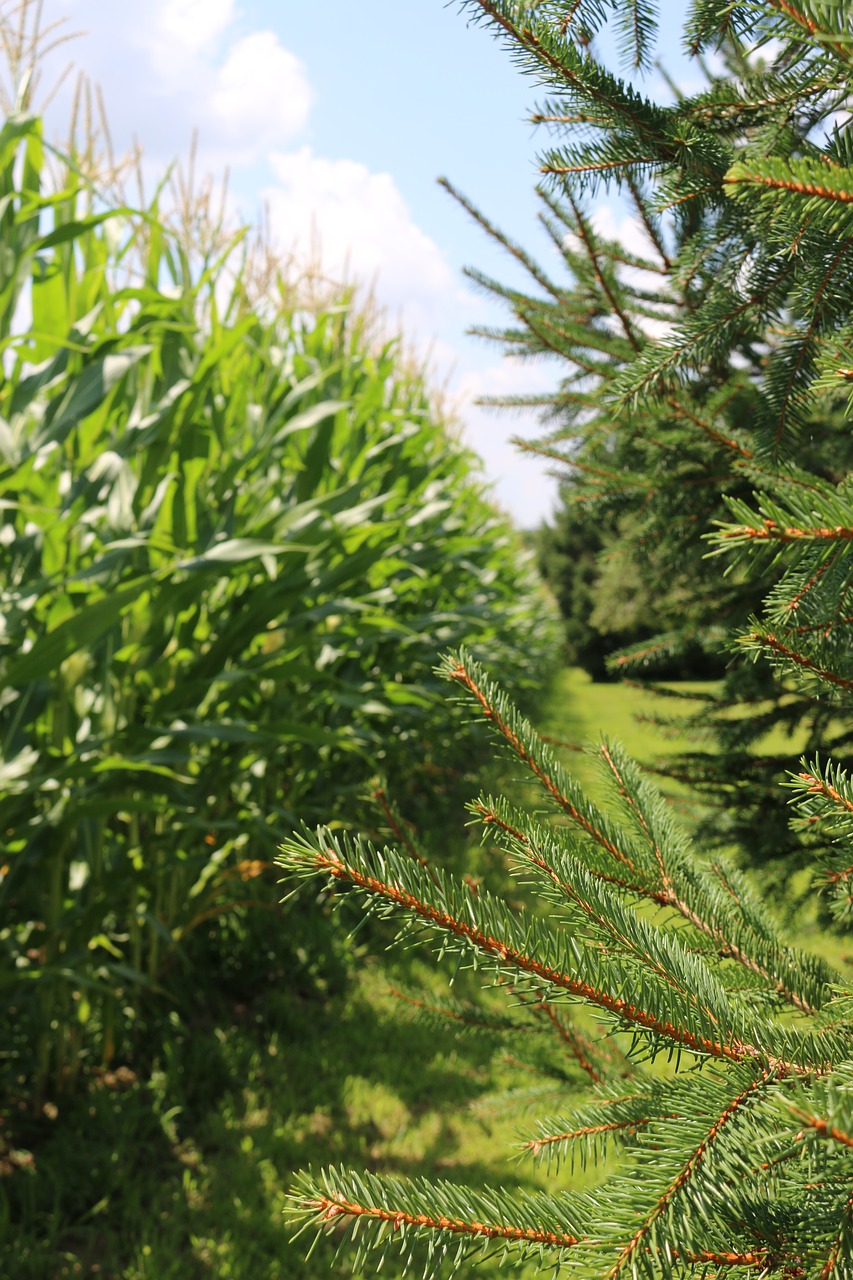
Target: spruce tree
{"points": [[733, 1152], [569, 554], [653, 448]]}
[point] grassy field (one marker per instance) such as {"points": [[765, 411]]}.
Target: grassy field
{"points": [[184, 1174], [580, 710], [165, 1192]]}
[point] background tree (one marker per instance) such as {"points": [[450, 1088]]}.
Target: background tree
{"points": [[596, 566], [567, 555]]}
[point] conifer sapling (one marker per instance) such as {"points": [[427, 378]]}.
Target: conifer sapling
{"points": [[733, 1152]]}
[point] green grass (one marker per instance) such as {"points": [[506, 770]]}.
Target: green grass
{"points": [[580, 710], [185, 1174]]}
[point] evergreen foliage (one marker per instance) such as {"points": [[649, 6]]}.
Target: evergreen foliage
{"points": [[683, 365], [726, 1106], [721, 1150], [567, 554], [595, 564]]}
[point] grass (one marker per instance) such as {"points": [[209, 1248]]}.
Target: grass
{"points": [[580, 710], [183, 1172]]}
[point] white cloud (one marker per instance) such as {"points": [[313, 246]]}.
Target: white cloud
{"points": [[190, 63], [261, 95], [246, 93], [361, 226], [523, 483], [627, 229], [182, 29], [196, 62]]}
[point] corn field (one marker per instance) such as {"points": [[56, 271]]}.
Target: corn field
{"points": [[234, 539]]}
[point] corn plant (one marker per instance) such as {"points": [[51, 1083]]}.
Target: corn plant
{"points": [[234, 535]]}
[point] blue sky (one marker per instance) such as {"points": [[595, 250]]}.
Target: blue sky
{"points": [[338, 117]]}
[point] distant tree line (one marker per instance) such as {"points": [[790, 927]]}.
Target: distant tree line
{"points": [[592, 566]]}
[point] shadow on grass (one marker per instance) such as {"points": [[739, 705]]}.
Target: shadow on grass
{"points": [[160, 1181]]}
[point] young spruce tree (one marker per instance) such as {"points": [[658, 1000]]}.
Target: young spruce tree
{"points": [[625, 557], [734, 1158]]}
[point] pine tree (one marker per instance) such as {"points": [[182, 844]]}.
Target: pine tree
{"points": [[569, 553], [733, 1153], [653, 445]]}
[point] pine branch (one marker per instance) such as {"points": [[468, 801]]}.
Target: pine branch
{"points": [[519, 735], [823, 1128], [566, 67], [531, 951], [814, 189], [586, 237], [723, 318], [661, 877], [824, 796], [493, 814], [760, 640], [744, 1097], [565, 337], [590, 1128], [556, 165], [528, 1222], [467, 1016], [688, 414], [791, 394], [752, 945], [843, 1238], [832, 187], [615, 251], [503, 240], [637, 27], [798, 15], [398, 826], [648, 222], [770, 531], [585, 1052]]}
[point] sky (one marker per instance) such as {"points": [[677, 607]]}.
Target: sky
{"points": [[337, 118]]}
